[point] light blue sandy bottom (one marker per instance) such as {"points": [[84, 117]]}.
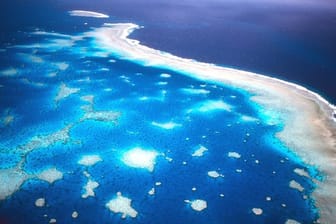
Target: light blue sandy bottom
{"points": [[173, 115]]}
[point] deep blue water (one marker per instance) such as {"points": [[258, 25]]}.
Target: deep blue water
{"points": [[290, 40], [220, 131]]}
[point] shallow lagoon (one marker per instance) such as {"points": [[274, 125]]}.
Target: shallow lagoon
{"points": [[219, 118]]}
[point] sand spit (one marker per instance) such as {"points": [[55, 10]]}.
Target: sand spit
{"points": [[87, 14], [309, 126]]}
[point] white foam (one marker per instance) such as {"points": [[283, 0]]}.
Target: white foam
{"points": [[40, 202], [214, 174], [257, 211], [158, 183], [140, 158], [89, 160], [197, 205], [85, 13], [168, 125], [89, 188], [234, 155], [122, 205], [50, 175], [52, 221], [199, 151]]}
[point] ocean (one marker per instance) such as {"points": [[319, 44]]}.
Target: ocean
{"points": [[117, 105]]}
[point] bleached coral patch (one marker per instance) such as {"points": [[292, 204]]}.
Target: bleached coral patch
{"points": [[257, 211], [89, 188], [140, 158], [235, 155], [50, 175], [106, 116], [199, 151], [197, 205], [64, 92], [45, 141], [40, 202], [214, 174], [89, 160], [295, 185], [11, 181], [122, 205]]}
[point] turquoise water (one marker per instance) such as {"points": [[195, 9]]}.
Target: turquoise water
{"points": [[173, 115]]}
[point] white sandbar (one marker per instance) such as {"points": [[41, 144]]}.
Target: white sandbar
{"points": [[140, 158], [197, 205], [199, 151], [214, 174], [292, 221], [257, 211], [301, 172], [89, 188], [89, 160], [11, 181], [40, 202], [295, 185], [165, 75], [122, 205], [74, 215], [50, 175], [309, 127], [84, 13], [234, 155], [151, 191]]}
